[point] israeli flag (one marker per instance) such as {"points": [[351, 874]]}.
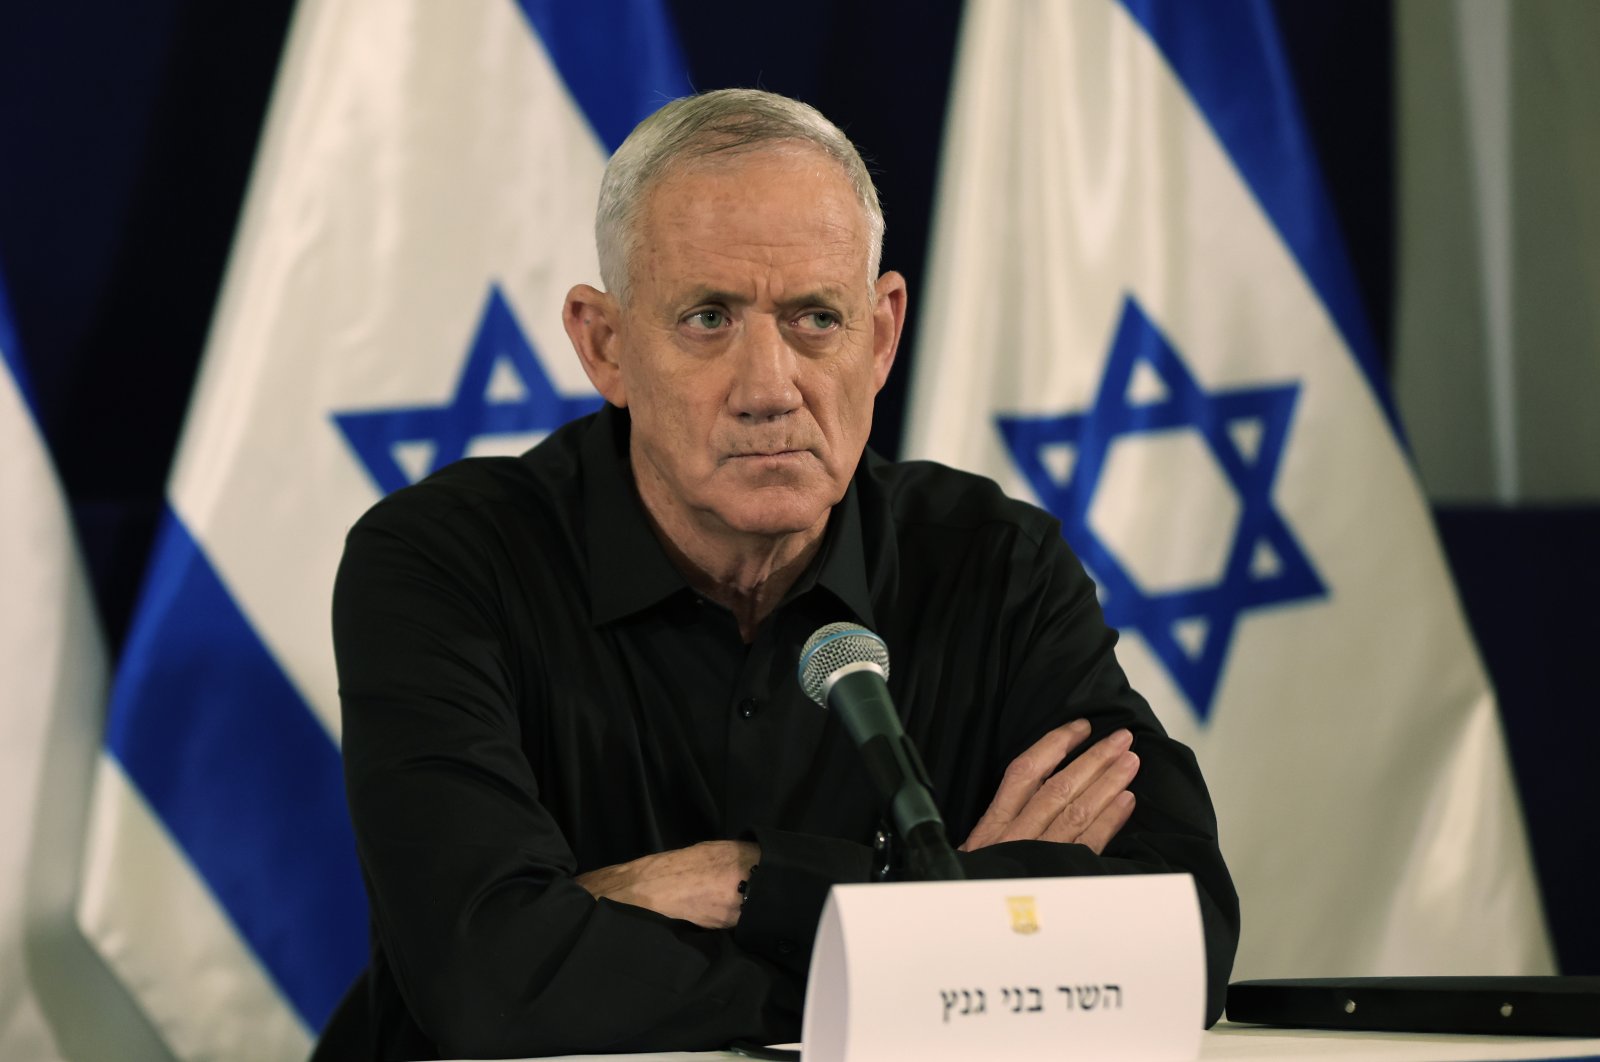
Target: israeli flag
{"points": [[422, 199], [1140, 317], [52, 690]]}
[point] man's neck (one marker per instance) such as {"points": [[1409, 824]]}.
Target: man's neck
{"points": [[746, 574], [751, 584]]}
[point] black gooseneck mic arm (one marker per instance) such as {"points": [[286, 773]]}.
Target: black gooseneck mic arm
{"points": [[843, 667]]}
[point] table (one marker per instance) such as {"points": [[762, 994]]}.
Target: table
{"points": [[1228, 1042]]}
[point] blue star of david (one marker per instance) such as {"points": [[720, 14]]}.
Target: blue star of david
{"points": [[1157, 615], [472, 413]]}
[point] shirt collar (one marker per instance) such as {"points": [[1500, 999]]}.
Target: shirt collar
{"points": [[629, 570], [842, 567]]}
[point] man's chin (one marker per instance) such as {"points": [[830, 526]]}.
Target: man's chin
{"points": [[774, 512]]}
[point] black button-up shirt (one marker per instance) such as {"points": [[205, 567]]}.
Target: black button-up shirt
{"points": [[531, 690]]}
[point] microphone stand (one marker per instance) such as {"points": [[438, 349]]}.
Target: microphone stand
{"points": [[846, 668], [929, 858]]}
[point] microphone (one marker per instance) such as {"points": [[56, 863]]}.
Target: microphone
{"points": [[844, 667]]}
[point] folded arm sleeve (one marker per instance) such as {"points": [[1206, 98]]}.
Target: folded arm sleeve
{"points": [[495, 948], [1062, 667]]}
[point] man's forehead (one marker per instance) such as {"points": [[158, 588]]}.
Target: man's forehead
{"points": [[701, 271], [794, 186], [708, 227]]}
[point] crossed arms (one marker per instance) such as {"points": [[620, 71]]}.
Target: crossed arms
{"points": [[1084, 802]]}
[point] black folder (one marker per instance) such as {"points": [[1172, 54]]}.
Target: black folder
{"points": [[1522, 1006]]}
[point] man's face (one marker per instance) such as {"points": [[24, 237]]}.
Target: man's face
{"points": [[753, 344]]}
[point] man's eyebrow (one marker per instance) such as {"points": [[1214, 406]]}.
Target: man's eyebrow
{"points": [[829, 295], [696, 296]]}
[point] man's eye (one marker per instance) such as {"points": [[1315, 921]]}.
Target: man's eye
{"points": [[819, 320], [707, 320]]}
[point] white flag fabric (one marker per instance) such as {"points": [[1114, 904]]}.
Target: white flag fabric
{"points": [[52, 693], [422, 198], [1141, 318]]}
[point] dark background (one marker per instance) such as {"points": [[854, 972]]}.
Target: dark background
{"points": [[126, 138]]}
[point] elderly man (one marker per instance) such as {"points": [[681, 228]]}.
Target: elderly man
{"points": [[594, 809]]}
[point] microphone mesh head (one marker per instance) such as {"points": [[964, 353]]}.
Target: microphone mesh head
{"points": [[831, 648]]}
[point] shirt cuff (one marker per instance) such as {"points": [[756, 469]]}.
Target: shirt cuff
{"points": [[787, 890], [1030, 859]]}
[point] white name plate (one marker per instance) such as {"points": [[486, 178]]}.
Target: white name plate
{"points": [[1036, 968]]}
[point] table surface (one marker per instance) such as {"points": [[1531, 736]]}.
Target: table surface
{"points": [[1253, 1043]]}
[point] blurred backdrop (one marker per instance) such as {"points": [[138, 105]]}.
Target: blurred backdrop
{"points": [[1458, 142]]}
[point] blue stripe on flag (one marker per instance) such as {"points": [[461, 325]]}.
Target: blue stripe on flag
{"points": [[1230, 56], [619, 58], [242, 774], [11, 355]]}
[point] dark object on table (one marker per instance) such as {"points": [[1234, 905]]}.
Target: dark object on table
{"points": [[1522, 1006]]}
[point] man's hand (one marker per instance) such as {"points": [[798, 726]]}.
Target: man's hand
{"points": [[1086, 801], [699, 884]]}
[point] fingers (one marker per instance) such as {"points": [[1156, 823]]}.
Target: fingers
{"points": [[1069, 801], [1105, 826], [1085, 802], [1086, 811], [701, 883], [710, 882], [1023, 777], [698, 884]]}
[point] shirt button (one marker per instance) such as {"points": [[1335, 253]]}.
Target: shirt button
{"points": [[747, 707], [785, 947]]}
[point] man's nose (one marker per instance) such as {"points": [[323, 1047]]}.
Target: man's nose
{"points": [[764, 383]]}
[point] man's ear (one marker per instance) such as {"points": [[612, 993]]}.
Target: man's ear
{"points": [[592, 318], [888, 319]]}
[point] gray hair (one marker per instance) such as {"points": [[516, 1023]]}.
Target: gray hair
{"points": [[727, 120]]}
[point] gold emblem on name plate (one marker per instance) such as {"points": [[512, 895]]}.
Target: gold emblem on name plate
{"points": [[1024, 919]]}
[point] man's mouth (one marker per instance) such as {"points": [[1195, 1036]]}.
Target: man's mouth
{"points": [[784, 454]]}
